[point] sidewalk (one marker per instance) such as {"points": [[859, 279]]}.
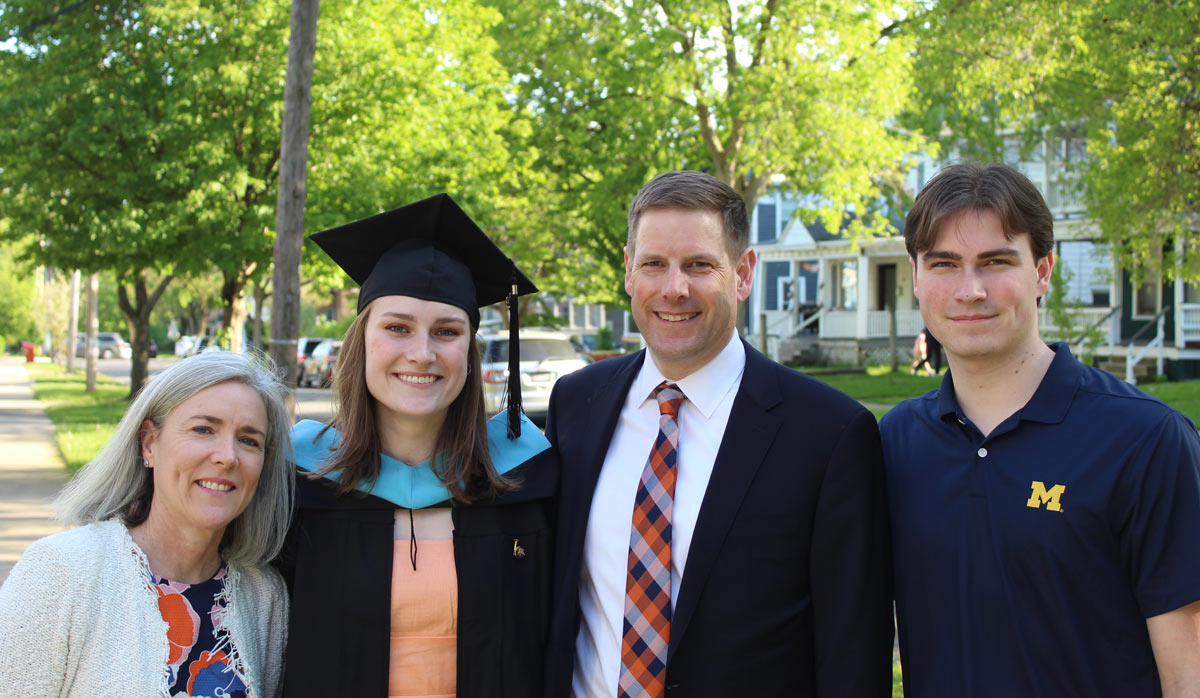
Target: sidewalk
{"points": [[31, 470]]}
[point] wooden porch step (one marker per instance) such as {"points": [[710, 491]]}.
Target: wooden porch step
{"points": [[1116, 366]]}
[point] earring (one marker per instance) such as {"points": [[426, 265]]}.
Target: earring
{"points": [[145, 463]]}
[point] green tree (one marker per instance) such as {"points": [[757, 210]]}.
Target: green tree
{"points": [[17, 312], [142, 140], [1125, 74], [754, 92], [410, 100]]}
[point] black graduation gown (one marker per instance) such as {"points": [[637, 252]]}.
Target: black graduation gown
{"points": [[337, 563]]}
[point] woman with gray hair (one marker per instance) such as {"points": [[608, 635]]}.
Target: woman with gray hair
{"points": [[163, 590]]}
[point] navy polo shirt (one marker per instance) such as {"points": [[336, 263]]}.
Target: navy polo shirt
{"points": [[1026, 562]]}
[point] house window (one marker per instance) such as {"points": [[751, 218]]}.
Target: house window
{"points": [[1147, 298], [1087, 263], [774, 273], [766, 223], [631, 327], [1147, 295], [845, 285]]}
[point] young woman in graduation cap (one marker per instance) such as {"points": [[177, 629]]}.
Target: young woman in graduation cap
{"points": [[420, 557]]}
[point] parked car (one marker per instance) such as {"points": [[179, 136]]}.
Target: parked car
{"points": [[319, 367], [545, 357], [198, 347], [304, 349], [108, 345], [184, 345]]}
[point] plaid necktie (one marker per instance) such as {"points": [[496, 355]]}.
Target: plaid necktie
{"points": [[647, 627]]}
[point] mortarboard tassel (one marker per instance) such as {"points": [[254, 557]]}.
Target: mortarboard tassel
{"points": [[514, 362]]}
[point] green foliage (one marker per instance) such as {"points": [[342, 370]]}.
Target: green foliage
{"points": [[1124, 74], [749, 91], [83, 422], [335, 328], [17, 312], [604, 338], [1069, 320]]}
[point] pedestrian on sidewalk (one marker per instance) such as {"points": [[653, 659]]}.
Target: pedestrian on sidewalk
{"points": [[178, 514]]}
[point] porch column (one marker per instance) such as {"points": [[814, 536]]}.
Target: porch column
{"points": [[1177, 306], [861, 324], [824, 292], [1115, 300]]}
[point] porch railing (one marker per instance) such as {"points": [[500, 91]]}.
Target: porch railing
{"points": [[843, 324], [1159, 322]]}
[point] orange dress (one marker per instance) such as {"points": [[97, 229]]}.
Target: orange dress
{"points": [[424, 640]]}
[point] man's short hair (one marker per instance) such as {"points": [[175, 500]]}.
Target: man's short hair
{"points": [[689, 190], [971, 187]]}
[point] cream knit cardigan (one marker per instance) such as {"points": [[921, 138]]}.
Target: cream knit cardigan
{"points": [[79, 617]]}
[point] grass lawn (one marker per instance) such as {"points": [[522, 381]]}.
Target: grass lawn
{"points": [[880, 386], [83, 423], [1183, 396]]}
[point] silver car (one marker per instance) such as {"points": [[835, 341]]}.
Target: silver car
{"points": [[109, 345], [545, 356]]}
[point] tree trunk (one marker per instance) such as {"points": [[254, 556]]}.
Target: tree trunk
{"points": [[93, 328], [340, 309], [233, 293], [293, 183], [73, 321], [137, 317], [260, 304]]}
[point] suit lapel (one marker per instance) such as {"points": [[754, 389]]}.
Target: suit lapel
{"points": [[748, 436], [592, 431]]}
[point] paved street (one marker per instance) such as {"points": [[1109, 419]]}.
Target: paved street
{"points": [[311, 403]]}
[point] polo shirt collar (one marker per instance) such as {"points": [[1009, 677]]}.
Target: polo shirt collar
{"points": [[1050, 401], [704, 387]]}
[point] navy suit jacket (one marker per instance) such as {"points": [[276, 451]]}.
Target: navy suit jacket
{"points": [[787, 589]]}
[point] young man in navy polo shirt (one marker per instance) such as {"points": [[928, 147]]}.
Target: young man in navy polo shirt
{"points": [[1045, 515]]}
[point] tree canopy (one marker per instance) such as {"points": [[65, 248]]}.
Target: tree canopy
{"points": [[1125, 74], [754, 92]]}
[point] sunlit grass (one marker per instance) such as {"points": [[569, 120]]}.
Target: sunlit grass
{"points": [[878, 385], [881, 388], [83, 422]]}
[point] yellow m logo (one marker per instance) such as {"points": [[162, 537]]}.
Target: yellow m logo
{"points": [[1049, 497]]}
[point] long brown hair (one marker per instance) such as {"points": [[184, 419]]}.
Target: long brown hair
{"points": [[465, 466]]}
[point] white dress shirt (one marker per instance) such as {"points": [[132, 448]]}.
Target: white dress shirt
{"points": [[702, 419]]}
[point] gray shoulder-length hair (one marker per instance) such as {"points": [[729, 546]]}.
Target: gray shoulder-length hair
{"points": [[116, 485]]}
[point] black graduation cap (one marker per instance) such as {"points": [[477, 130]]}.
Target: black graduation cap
{"points": [[432, 250]]}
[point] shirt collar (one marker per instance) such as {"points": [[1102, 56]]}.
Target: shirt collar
{"points": [[704, 387], [1050, 401]]}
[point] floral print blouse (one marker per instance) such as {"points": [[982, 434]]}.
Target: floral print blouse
{"points": [[198, 664]]}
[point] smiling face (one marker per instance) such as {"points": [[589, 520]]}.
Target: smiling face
{"points": [[207, 456], [978, 290], [416, 357], [684, 288]]}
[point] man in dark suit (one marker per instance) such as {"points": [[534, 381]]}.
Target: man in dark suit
{"points": [[722, 524]]}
